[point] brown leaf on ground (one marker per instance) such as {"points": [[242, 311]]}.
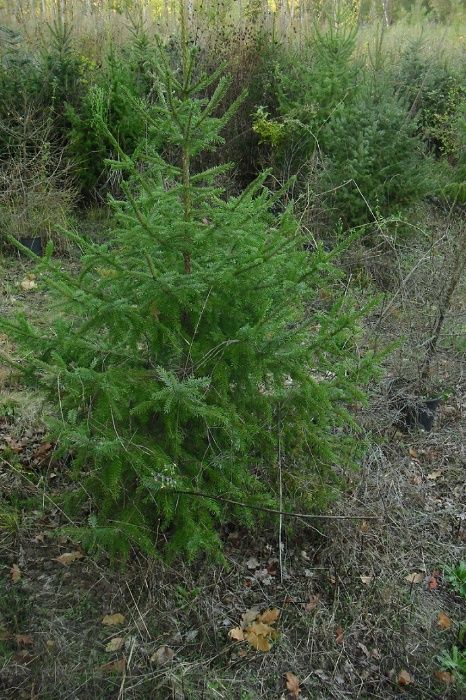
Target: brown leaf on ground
{"points": [[257, 641], [15, 573], [255, 630], [249, 616], [339, 634], [237, 634], [292, 684], [444, 677], [14, 445], [443, 621], [415, 577], [269, 616], [117, 666], [313, 602], [404, 678], [261, 629], [115, 644], [43, 450], [163, 656], [272, 567], [115, 619], [68, 558], [24, 657]]}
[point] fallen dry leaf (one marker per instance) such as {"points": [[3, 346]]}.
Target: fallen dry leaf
{"points": [[263, 576], [163, 656], [115, 619], [255, 630], [15, 573], [269, 616], [434, 475], [444, 677], [404, 678], [252, 563], [14, 445], [249, 616], [313, 602], [261, 629], [27, 284], [117, 666], [292, 684], [43, 450], [68, 558], [237, 634], [24, 656], [443, 621], [366, 580], [257, 641], [115, 644], [415, 577], [339, 634]]}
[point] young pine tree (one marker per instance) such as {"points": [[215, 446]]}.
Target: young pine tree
{"points": [[192, 343]]}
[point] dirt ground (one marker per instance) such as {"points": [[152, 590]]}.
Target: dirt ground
{"points": [[357, 604]]}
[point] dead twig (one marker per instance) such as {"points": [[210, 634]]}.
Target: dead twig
{"points": [[275, 511]]}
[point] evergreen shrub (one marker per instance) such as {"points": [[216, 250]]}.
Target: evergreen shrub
{"points": [[125, 72], [341, 126], [455, 189], [433, 89], [309, 86], [197, 348], [375, 163]]}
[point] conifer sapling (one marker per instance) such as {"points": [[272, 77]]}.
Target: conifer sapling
{"points": [[192, 339]]}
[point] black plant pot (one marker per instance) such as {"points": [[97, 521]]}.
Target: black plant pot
{"points": [[33, 243], [422, 415]]}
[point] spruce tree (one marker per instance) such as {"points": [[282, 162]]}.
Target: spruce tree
{"points": [[191, 343]]}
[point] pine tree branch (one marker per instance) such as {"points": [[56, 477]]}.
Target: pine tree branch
{"points": [[274, 511]]}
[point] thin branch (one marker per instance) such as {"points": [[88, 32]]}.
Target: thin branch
{"points": [[262, 509], [280, 502]]}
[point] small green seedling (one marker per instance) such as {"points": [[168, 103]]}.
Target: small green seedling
{"points": [[456, 576], [454, 661]]}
